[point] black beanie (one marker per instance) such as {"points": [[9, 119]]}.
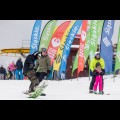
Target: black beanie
{"points": [[98, 64]]}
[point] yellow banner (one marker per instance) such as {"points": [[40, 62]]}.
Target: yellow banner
{"points": [[57, 61]]}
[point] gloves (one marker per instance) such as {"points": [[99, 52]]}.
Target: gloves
{"points": [[48, 72], [35, 69]]}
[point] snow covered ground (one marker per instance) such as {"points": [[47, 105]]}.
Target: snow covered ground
{"points": [[61, 90]]}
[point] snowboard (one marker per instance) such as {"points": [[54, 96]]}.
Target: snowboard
{"points": [[38, 91]]}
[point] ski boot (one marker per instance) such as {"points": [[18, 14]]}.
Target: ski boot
{"points": [[90, 91], [43, 94], [95, 92], [101, 92], [26, 92]]}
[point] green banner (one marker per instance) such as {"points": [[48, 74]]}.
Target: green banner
{"points": [[47, 34], [117, 64], [75, 63], [100, 26], [93, 37], [87, 46]]}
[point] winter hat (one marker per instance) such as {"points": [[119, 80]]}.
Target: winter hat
{"points": [[43, 49], [98, 64], [96, 54]]}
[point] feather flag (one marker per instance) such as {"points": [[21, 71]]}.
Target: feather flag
{"points": [[106, 48], [82, 46], [86, 51], [93, 37], [69, 41], [60, 49], [87, 44], [47, 34], [117, 64], [35, 37], [55, 40]]}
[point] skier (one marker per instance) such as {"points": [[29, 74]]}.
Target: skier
{"points": [[43, 65], [98, 73], [29, 71], [93, 62]]}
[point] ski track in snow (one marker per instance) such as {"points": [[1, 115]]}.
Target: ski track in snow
{"points": [[61, 90]]}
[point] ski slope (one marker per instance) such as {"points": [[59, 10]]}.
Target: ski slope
{"points": [[61, 90]]}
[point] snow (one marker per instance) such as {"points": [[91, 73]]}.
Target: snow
{"points": [[74, 89]]}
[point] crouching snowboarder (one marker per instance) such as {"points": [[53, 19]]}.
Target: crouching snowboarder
{"points": [[29, 71]]}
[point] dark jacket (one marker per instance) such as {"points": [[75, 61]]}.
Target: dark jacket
{"points": [[19, 65], [96, 73], [2, 70], [30, 60]]}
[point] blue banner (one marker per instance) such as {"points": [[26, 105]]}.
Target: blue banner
{"points": [[35, 37], [106, 48], [68, 44]]}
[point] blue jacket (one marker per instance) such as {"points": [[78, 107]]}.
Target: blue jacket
{"points": [[19, 65]]}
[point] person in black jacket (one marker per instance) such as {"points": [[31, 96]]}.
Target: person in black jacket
{"points": [[2, 73], [19, 67], [30, 72]]}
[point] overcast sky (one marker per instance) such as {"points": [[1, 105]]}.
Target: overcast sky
{"points": [[13, 32]]}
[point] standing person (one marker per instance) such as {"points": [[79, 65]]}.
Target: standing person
{"points": [[29, 71], [93, 62], [12, 68], [9, 74], [43, 65], [98, 73], [19, 67], [2, 73]]}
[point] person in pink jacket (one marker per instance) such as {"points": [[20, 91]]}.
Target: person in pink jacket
{"points": [[12, 68], [98, 74]]}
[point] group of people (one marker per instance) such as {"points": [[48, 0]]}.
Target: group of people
{"points": [[14, 71], [37, 67], [97, 69]]}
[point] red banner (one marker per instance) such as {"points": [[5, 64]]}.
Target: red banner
{"points": [[55, 41], [82, 45]]}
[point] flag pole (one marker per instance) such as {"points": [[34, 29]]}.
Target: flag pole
{"points": [[77, 74], [89, 68], [116, 56]]}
